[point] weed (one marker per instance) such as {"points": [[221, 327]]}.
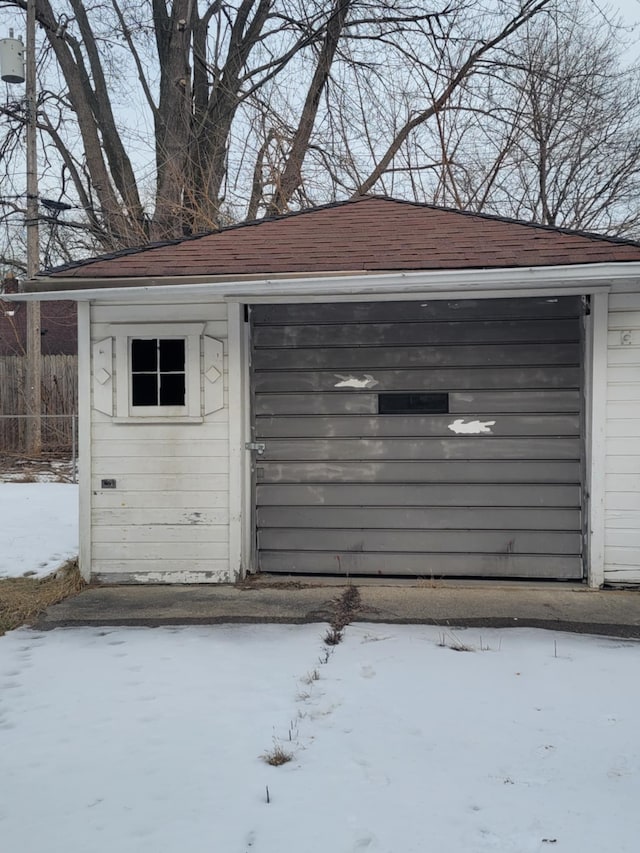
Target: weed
{"points": [[276, 756], [485, 647], [346, 608], [310, 677], [448, 640], [333, 637]]}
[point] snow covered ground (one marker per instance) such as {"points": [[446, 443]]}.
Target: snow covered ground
{"points": [[404, 739], [38, 527], [136, 740]]}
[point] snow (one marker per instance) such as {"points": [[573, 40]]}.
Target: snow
{"points": [[39, 527], [136, 740], [404, 739]]}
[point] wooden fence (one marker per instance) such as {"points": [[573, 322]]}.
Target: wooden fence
{"points": [[59, 402]]}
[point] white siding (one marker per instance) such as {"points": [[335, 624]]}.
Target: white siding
{"points": [[168, 517], [622, 499]]}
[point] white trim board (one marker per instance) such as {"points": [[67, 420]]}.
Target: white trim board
{"points": [[596, 436], [409, 285], [84, 439]]}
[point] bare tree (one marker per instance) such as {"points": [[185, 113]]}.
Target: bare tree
{"points": [[163, 118], [552, 133]]}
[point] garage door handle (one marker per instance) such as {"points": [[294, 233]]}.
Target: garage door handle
{"points": [[257, 446]]}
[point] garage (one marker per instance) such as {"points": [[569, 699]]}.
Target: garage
{"points": [[421, 439]]}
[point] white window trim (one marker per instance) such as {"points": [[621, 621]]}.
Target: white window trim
{"points": [[191, 412]]}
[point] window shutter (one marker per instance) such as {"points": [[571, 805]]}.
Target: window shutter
{"points": [[103, 376], [213, 378]]}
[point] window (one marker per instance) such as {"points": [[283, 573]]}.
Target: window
{"points": [[158, 372]]}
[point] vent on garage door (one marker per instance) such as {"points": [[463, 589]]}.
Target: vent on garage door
{"points": [[427, 439]]}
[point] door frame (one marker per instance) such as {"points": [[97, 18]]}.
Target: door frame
{"points": [[241, 487]]}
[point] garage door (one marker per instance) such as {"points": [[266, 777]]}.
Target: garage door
{"points": [[430, 439]]}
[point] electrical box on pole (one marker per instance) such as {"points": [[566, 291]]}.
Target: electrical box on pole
{"points": [[12, 60]]}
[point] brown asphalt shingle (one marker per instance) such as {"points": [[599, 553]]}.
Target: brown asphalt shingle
{"points": [[368, 234]]}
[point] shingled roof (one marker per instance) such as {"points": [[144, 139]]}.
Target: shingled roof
{"points": [[372, 234]]}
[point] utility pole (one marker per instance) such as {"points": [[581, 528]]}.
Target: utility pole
{"points": [[18, 65], [33, 388]]}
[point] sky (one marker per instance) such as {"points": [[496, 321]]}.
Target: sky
{"points": [[630, 9]]}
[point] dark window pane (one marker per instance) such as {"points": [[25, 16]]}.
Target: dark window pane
{"points": [[171, 355], [413, 404], [144, 389], [172, 389], [144, 355]]}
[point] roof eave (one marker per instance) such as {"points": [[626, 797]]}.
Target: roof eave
{"points": [[573, 277]]}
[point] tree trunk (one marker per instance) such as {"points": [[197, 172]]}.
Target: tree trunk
{"points": [[292, 175], [173, 117]]}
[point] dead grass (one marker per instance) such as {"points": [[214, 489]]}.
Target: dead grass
{"points": [[50, 466], [277, 756], [22, 600]]}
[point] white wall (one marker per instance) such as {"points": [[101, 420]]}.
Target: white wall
{"points": [[168, 517], [622, 498]]}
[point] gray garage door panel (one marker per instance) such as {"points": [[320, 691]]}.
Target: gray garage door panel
{"points": [[476, 378], [425, 448], [435, 518], [469, 402], [410, 311], [452, 355], [411, 494], [344, 426], [419, 541], [556, 567], [344, 486], [452, 471], [401, 334]]}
